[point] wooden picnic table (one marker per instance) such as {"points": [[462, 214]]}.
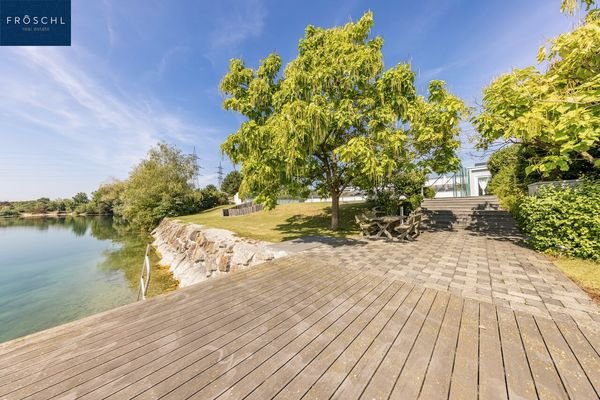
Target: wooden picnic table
{"points": [[385, 224]]}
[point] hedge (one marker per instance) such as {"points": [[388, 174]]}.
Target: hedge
{"points": [[563, 220]]}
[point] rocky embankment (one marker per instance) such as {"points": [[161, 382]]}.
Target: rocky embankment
{"points": [[195, 253]]}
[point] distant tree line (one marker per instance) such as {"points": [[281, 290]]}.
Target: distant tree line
{"points": [[159, 186], [77, 204]]}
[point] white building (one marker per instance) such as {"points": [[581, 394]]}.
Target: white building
{"points": [[466, 182]]}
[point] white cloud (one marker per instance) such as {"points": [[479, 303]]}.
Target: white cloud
{"points": [[56, 99], [242, 21]]}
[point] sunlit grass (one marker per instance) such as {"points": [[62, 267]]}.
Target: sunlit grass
{"points": [[284, 222], [583, 272]]}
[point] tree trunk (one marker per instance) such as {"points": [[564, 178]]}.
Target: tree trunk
{"points": [[335, 210]]}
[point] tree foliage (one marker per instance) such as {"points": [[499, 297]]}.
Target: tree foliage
{"points": [[335, 117], [402, 189], [107, 198], [556, 112], [210, 197], [231, 183], [80, 198], [159, 187], [509, 181]]}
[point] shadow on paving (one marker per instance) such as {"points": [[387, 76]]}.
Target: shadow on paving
{"points": [[502, 228]]}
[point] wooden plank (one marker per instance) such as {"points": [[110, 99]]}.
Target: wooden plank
{"points": [[466, 363], [519, 381], [382, 382], [266, 381], [439, 374], [492, 384], [306, 367], [21, 346], [249, 357], [79, 353], [60, 382], [547, 381], [572, 375], [137, 315], [180, 367], [31, 342], [339, 369], [358, 378], [592, 334], [410, 381], [270, 358], [581, 347]]}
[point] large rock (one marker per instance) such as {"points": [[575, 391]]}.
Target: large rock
{"points": [[195, 253]]}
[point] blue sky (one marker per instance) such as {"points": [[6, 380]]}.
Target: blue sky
{"points": [[140, 71]]}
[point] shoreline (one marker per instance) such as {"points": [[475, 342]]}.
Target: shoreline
{"points": [[55, 215]]}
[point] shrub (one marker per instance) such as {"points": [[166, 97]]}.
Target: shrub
{"points": [[401, 190], [560, 219], [428, 192], [507, 167], [209, 197], [7, 211]]}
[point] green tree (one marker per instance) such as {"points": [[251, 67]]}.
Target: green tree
{"points": [[569, 6], [556, 113], [210, 197], [231, 183], [40, 207], [159, 187], [335, 116], [80, 198], [107, 199]]}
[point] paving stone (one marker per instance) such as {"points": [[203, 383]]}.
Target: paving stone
{"points": [[488, 268]]}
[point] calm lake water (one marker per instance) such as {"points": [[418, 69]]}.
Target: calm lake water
{"points": [[56, 270]]}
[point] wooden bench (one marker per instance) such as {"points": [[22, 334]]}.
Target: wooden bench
{"points": [[411, 229], [366, 225]]}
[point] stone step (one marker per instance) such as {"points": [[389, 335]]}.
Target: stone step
{"points": [[482, 214], [475, 226], [463, 212], [462, 208], [473, 199], [500, 220], [455, 202]]}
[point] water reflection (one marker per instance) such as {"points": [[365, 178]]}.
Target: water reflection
{"points": [[57, 269]]}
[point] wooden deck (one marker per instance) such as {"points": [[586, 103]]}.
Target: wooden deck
{"points": [[299, 328]]}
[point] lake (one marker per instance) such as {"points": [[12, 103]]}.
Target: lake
{"points": [[56, 270]]}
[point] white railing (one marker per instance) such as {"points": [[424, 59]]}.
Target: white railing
{"points": [[145, 276]]}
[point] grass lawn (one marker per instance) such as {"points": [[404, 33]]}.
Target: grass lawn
{"points": [[284, 222], [583, 272]]}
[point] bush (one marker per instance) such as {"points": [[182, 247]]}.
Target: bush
{"points": [[7, 211], [429, 192], [564, 220], [210, 197], [402, 190], [508, 183]]}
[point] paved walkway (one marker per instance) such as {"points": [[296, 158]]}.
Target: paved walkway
{"points": [[494, 269], [343, 320]]}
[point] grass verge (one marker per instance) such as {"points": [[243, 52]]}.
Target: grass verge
{"points": [[583, 272]]}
